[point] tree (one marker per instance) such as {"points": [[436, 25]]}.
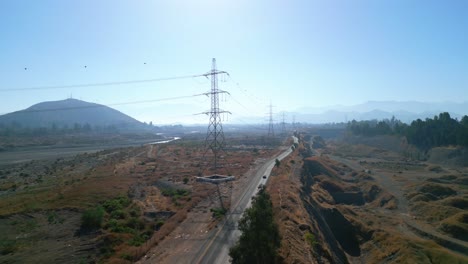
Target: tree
{"points": [[277, 163], [260, 237]]}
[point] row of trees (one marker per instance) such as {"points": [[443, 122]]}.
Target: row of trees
{"points": [[442, 130], [19, 130]]}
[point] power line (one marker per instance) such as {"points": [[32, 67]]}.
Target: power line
{"points": [[102, 83], [237, 102]]}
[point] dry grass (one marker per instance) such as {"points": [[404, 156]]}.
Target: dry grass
{"points": [[87, 180], [456, 226], [389, 246], [291, 216]]}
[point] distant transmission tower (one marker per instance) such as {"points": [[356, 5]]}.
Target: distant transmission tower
{"points": [[271, 130], [214, 140], [283, 125]]}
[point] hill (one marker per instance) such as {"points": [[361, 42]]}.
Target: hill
{"points": [[67, 113]]}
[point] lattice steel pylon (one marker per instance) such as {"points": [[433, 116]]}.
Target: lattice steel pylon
{"points": [[283, 125], [271, 130], [214, 140]]}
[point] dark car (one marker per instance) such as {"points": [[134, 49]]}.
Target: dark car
{"points": [[264, 177]]}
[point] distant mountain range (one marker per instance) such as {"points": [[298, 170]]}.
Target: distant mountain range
{"points": [[67, 113], [405, 111], [72, 111]]}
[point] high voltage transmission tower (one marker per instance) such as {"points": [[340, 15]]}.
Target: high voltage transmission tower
{"points": [[214, 140], [283, 125], [271, 129]]}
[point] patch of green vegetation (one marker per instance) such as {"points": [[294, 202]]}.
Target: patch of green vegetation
{"points": [[53, 218], [121, 220], [135, 211], [117, 226], [106, 251], [176, 194], [123, 217], [116, 204], [126, 256], [26, 226], [137, 240], [218, 212], [32, 205], [158, 224], [8, 246], [277, 163], [117, 214], [92, 218], [135, 223], [310, 238]]}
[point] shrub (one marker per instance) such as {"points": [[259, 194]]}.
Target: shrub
{"points": [[8, 246], [135, 223], [310, 238], [92, 218], [218, 212], [126, 256], [116, 204], [118, 214], [158, 224], [137, 240], [53, 218]]}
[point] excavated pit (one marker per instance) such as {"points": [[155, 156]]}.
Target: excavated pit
{"points": [[329, 198]]}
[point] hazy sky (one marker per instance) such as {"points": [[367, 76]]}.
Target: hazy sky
{"points": [[294, 53]]}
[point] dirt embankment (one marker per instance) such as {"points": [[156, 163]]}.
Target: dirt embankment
{"points": [[331, 193], [330, 213], [311, 200]]}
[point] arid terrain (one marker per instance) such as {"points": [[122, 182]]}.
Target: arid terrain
{"points": [[354, 203], [334, 201], [144, 194]]}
